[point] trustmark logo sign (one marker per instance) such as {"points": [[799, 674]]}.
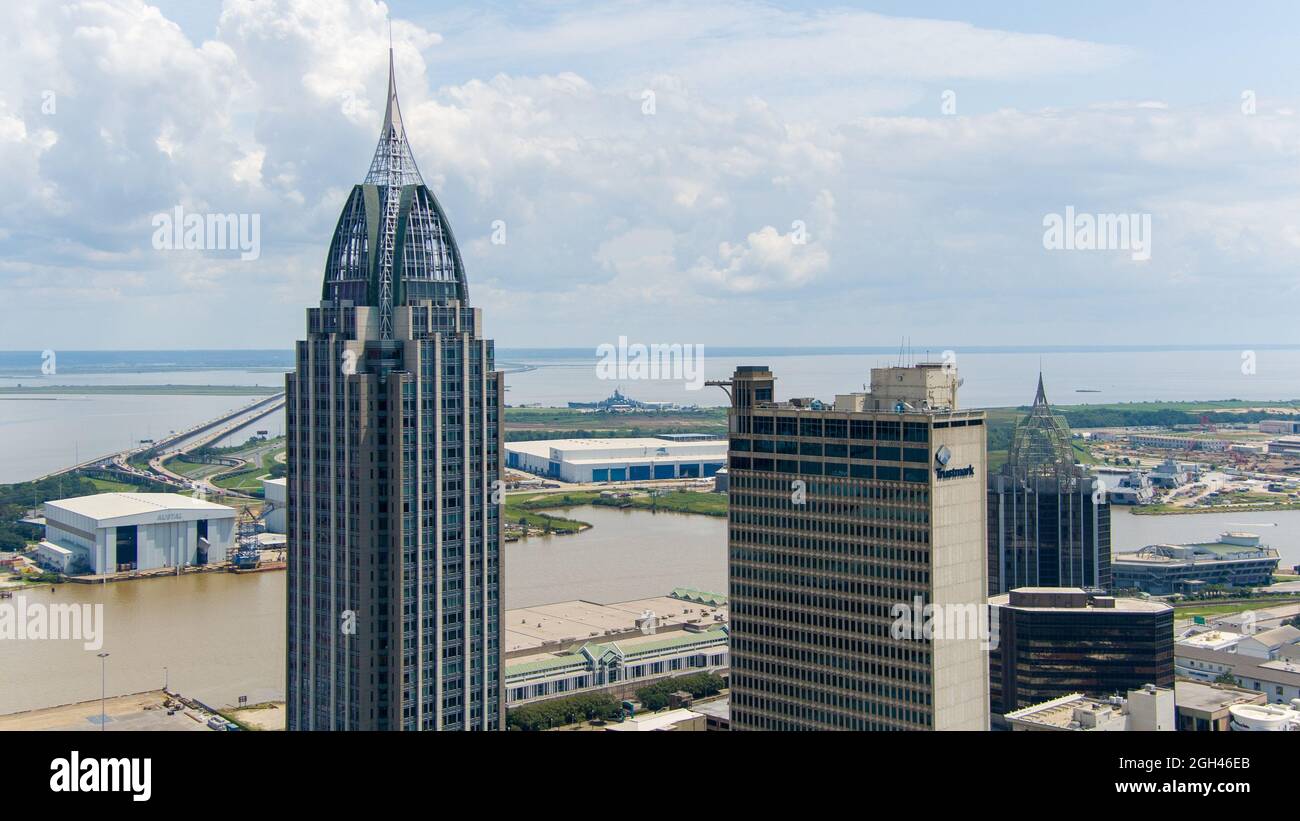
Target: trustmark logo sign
{"points": [[942, 457]]}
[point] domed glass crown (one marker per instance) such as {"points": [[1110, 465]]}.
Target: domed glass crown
{"points": [[393, 244], [1041, 443]]}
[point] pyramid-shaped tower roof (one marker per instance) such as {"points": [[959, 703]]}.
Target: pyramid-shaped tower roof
{"points": [[1041, 442]]}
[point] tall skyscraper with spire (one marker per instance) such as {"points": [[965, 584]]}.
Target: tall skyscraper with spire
{"points": [[394, 442], [1049, 526]]}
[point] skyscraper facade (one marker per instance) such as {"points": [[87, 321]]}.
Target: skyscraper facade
{"points": [[1049, 521], [839, 516], [394, 442]]}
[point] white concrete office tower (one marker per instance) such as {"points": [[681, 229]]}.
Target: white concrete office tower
{"points": [[112, 532], [394, 448], [845, 519]]}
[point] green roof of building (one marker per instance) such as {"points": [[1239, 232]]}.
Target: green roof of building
{"points": [[681, 639], [597, 650], [699, 596], [539, 665]]}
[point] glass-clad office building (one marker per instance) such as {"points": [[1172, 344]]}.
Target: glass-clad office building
{"points": [[1052, 642], [1049, 518]]}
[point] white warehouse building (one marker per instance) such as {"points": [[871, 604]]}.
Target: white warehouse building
{"points": [[112, 532], [620, 460], [276, 494]]}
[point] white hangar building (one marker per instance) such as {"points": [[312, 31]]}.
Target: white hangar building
{"points": [[672, 456], [111, 532]]}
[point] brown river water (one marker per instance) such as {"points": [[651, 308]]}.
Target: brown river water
{"points": [[221, 636]]}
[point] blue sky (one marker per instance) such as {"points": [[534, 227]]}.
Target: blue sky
{"points": [[799, 180]]}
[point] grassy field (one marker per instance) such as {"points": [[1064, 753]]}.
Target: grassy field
{"points": [[683, 501], [246, 479], [1166, 509], [109, 486], [519, 508], [193, 470], [1204, 609]]}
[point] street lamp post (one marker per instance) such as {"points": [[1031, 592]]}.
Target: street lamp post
{"points": [[102, 679]]}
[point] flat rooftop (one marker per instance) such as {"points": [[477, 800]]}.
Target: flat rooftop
{"points": [[1212, 639], [1120, 605], [117, 505], [1060, 712], [654, 721], [717, 708], [571, 622], [649, 444], [1209, 698]]}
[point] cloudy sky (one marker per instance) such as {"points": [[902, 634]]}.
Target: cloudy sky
{"points": [[727, 173]]}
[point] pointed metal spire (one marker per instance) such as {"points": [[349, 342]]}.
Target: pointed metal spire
{"points": [[392, 167], [1040, 398], [393, 163]]}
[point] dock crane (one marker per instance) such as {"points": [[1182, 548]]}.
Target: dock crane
{"points": [[248, 553]]}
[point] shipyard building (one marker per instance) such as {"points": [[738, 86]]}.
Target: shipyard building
{"points": [[689, 456], [123, 532]]}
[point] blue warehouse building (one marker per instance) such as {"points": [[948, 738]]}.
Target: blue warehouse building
{"points": [[619, 460]]}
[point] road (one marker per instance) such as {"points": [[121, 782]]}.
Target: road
{"points": [[223, 428], [183, 442]]}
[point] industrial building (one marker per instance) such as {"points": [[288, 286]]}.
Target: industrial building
{"points": [[1048, 524], [1235, 560], [839, 514], [1133, 489], [1285, 445], [274, 493], [120, 532], [1164, 442], [1288, 427], [1052, 642], [620, 460]]}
